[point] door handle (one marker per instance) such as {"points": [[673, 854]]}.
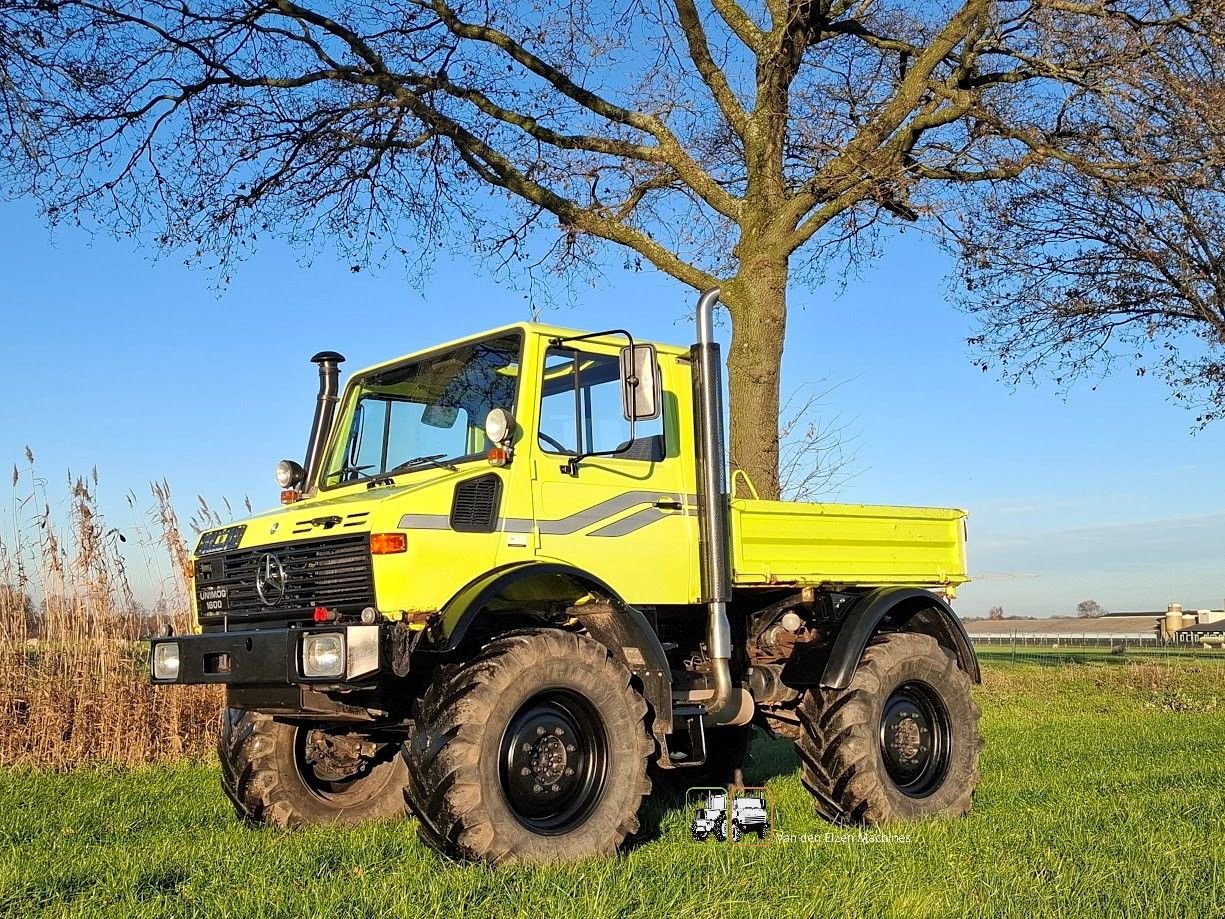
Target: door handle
{"points": [[668, 504]]}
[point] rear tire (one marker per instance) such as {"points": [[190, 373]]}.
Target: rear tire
{"points": [[900, 743], [292, 775], [535, 750]]}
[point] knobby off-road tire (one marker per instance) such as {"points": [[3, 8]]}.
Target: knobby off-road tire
{"points": [[536, 750], [270, 778], [900, 743]]}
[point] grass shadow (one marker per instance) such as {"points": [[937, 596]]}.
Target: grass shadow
{"points": [[768, 758]]}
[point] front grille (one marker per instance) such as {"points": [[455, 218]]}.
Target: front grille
{"points": [[334, 572]]}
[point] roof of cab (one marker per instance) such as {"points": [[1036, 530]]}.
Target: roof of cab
{"points": [[528, 328]]}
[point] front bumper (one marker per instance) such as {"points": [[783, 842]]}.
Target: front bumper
{"points": [[265, 657]]}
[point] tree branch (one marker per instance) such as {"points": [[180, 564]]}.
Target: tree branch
{"points": [[712, 76]]}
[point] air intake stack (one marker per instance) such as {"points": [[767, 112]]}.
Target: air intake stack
{"points": [[325, 410]]}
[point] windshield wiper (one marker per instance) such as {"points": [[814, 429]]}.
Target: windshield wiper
{"points": [[349, 470], [433, 460]]}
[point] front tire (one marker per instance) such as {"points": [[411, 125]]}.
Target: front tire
{"points": [[536, 750], [900, 743], [292, 775]]}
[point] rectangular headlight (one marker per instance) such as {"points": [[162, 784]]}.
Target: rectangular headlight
{"points": [[323, 654], [166, 660]]}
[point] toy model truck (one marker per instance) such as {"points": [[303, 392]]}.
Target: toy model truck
{"points": [[509, 583], [711, 819], [749, 815]]}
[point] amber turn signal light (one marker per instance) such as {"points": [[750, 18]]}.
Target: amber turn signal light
{"points": [[388, 543], [290, 495], [498, 456]]}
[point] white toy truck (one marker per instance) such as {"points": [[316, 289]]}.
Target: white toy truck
{"points": [[711, 819], [749, 815]]}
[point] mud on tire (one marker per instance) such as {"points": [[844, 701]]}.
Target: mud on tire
{"points": [[268, 774], [535, 750], [900, 743]]}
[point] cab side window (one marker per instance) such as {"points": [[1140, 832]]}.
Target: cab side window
{"points": [[580, 409]]}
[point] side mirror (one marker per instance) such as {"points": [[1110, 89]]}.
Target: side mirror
{"points": [[439, 416], [640, 386]]}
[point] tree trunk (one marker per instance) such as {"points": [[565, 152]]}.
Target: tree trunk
{"points": [[757, 301]]}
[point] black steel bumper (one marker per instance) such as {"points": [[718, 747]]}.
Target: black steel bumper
{"points": [[264, 657]]}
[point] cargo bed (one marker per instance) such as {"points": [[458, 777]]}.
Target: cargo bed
{"points": [[783, 542]]}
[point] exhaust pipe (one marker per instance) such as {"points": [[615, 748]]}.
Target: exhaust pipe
{"points": [[325, 410], [714, 542]]}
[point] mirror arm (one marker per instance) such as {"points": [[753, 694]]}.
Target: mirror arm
{"points": [[570, 467]]}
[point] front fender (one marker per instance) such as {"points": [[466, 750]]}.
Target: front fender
{"points": [[614, 623]]}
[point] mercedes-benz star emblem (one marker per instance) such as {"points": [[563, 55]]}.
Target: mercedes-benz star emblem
{"points": [[270, 580]]}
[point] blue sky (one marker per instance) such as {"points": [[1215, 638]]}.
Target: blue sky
{"points": [[121, 358]]}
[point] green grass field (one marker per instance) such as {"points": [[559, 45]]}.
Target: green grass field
{"points": [[1103, 795]]}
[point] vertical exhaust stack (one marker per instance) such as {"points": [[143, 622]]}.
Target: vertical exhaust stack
{"points": [[325, 410], [714, 543]]}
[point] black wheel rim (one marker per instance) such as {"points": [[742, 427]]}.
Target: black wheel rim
{"points": [[915, 739], [553, 761]]}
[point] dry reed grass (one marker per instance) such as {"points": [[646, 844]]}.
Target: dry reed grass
{"points": [[73, 677]]}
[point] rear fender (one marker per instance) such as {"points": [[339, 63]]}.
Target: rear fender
{"points": [[894, 609]]}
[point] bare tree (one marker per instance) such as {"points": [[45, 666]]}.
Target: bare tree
{"points": [[996, 613], [816, 444], [1072, 271], [1089, 609], [746, 145]]}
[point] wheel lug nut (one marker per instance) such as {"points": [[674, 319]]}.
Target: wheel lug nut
{"points": [[569, 771], [537, 788], [527, 748], [525, 771], [570, 748], [558, 731], [557, 788], [539, 731]]}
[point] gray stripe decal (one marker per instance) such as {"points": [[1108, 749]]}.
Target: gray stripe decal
{"points": [[634, 521], [597, 512], [566, 525], [425, 522]]}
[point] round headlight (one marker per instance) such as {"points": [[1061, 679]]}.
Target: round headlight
{"points": [[288, 473], [498, 425]]}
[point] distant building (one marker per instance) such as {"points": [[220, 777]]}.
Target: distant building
{"points": [[1171, 626], [1128, 627]]}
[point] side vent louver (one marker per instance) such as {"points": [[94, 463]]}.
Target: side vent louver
{"points": [[475, 506]]}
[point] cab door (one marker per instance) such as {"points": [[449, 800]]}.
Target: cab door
{"points": [[622, 512]]}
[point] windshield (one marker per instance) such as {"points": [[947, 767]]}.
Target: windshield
{"points": [[423, 414]]}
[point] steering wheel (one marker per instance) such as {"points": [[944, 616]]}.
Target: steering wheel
{"points": [[552, 442]]}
